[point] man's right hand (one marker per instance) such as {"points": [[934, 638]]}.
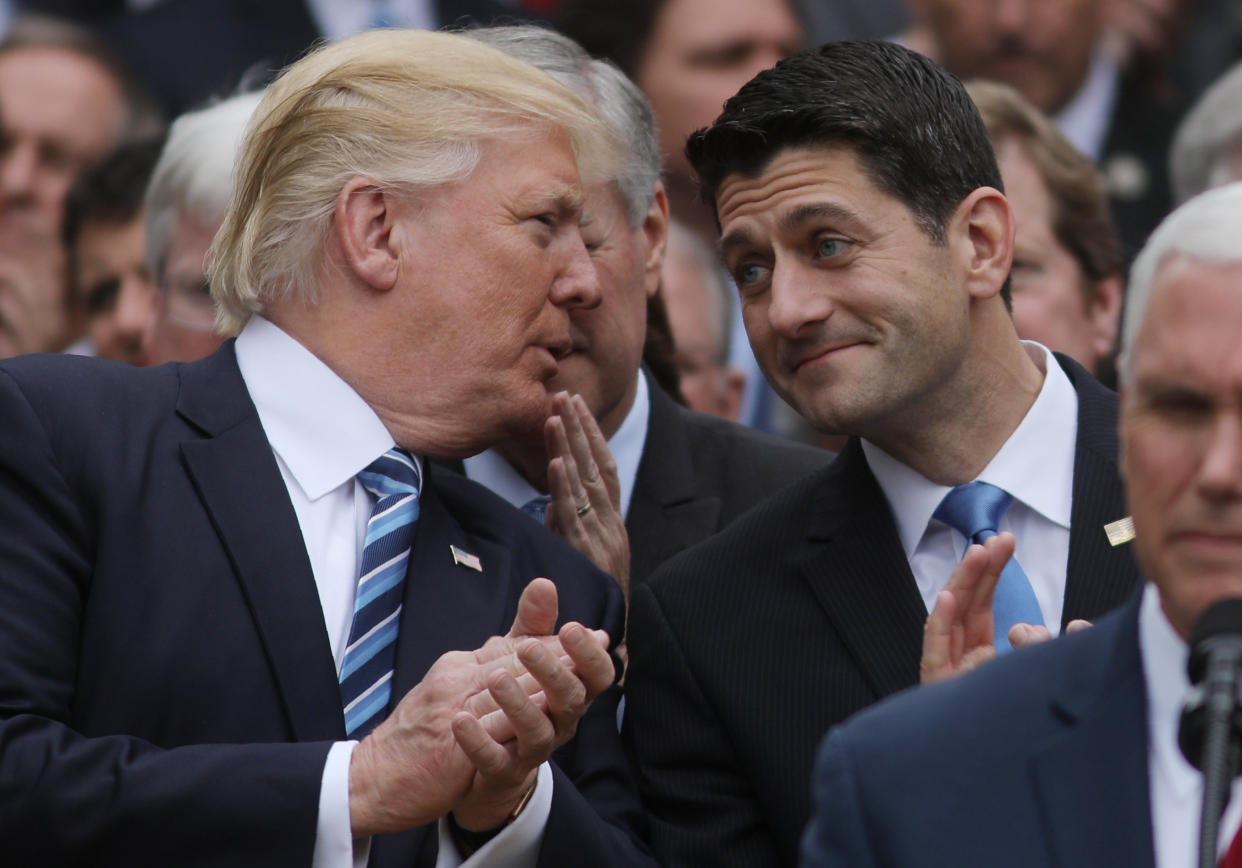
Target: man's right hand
{"points": [[958, 635], [412, 770]]}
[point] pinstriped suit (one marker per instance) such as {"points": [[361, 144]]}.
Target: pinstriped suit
{"points": [[746, 649]]}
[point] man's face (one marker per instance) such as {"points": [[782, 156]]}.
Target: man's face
{"points": [[60, 113], [708, 384], [497, 265], [608, 337], [856, 317], [1041, 47], [33, 284], [1181, 436], [1049, 287], [701, 52], [183, 327], [113, 287]]}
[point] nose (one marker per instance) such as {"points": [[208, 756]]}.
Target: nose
{"points": [[1011, 16], [1220, 473], [134, 305], [577, 284], [796, 303], [17, 170]]}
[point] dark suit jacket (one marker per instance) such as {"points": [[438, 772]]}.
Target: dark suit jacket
{"points": [[697, 474], [746, 649], [167, 690], [1036, 760]]}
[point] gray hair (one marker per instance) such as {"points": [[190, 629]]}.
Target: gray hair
{"points": [[1206, 228], [1205, 138], [621, 105], [193, 179]]}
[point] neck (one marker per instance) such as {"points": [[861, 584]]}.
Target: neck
{"points": [[965, 425]]}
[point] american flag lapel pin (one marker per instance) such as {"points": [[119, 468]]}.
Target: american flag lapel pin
{"points": [[1119, 531], [465, 559]]}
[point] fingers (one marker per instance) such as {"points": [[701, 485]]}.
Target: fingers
{"points": [[1077, 625], [592, 662], [537, 610], [1024, 635], [600, 455], [937, 660]]}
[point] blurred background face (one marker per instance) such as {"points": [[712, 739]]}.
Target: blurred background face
{"points": [[33, 287], [1041, 47], [113, 287], [59, 113], [701, 52], [608, 337], [1049, 287], [183, 327]]}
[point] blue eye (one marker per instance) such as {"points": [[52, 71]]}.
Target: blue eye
{"points": [[830, 247], [749, 275]]}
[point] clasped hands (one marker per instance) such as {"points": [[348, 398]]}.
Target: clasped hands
{"points": [[470, 737], [959, 635]]}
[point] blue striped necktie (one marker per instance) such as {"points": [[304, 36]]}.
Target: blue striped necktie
{"points": [[367, 666], [975, 510]]}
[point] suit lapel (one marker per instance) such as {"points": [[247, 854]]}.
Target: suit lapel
{"points": [[858, 572], [447, 606], [1098, 576], [667, 513], [236, 477], [1091, 780]]}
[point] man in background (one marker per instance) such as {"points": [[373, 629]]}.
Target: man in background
{"points": [[1066, 275], [680, 476]]}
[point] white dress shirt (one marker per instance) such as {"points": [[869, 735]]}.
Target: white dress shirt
{"points": [[491, 470], [1035, 465], [1176, 786], [1086, 118], [323, 434]]}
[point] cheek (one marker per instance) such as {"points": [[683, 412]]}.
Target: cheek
{"points": [[1159, 463]]}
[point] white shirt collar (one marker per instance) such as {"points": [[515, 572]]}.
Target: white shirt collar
{"points": [[1085, 119], [488, 468], [1164, 656], [318, 425], [1035, 465]]}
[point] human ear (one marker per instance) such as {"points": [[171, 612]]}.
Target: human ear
{"points": [[655, 230], [983, 228], [362, 224]]}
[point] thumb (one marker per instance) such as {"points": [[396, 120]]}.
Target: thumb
{"points": [[537, 610]]}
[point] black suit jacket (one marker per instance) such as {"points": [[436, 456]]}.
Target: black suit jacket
{"points": [[697, 474], [167, 689], [746, 649], [1036, 760]]}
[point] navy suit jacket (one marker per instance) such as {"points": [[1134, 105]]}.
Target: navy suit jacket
{"points": [[167, 689], [747, 648], [697, 474], [1034, 761]]}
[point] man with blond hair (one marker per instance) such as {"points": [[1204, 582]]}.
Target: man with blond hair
{"points": [[233, 590]]}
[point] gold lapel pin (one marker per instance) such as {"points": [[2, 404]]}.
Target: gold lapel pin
{"points": [[465, 559], [1119, 531]]}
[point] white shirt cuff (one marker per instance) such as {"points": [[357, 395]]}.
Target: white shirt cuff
{"points": [[518, 843], [335, 846]]}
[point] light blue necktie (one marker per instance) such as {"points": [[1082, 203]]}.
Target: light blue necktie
{"points": [[537, 507], [975, 510], [367, 666]]}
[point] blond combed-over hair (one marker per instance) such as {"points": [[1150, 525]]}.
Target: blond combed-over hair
{"points": [[406, 108]]}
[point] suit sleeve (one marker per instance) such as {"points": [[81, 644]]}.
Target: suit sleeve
{"points": [[836, 835], [596, 818], [702, 809], [67, 798]]}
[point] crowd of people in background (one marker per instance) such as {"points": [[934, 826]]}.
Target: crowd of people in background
{"points": [[794, 328]]}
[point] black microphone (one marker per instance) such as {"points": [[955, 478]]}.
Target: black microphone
{"points": [[1210, 733]]}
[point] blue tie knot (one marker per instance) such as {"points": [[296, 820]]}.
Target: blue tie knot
{"points": [[537, 507], [393, 473], [974, 509]]}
